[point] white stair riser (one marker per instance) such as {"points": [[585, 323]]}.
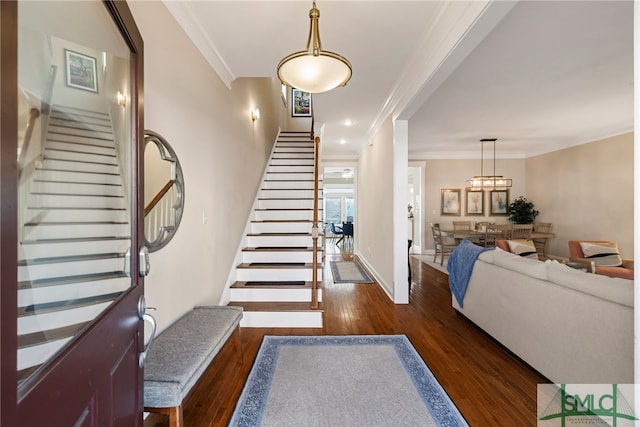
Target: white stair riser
{"points": [[50, 201], [73, 188], [289, 168], [85, 123], [50, 175], [74, 231], [281, 241], [273, 295], [82, 167], [61, 249], [281, 227], [84, 148], [63, 269], [286, 204], [292, 155], [102, 134], [71, 291], [276, 256], [79, 139], [80, 157], [287, 193], [276, 274], [267, 319], [296, 215], [293, 177], [279, 185], [76, 215], [291, 162], [69, 113]]}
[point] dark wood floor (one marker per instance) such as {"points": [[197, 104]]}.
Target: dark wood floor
{"points": [[488, 384]]}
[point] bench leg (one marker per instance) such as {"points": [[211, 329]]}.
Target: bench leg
{"points": [[238, 344], [175, 416]]}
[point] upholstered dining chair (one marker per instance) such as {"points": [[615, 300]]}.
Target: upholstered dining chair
{"points": [[335, 231], [521, 231], [604, 254], [443, 244]]}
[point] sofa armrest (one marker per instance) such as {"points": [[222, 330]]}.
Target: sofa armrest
{"points": [[628, 263]]}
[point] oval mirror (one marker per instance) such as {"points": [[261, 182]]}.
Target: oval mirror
{"points": [[163, 191]]}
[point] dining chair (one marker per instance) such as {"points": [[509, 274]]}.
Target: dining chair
{"points": [[335, 232], [443, 244], [462, 225], [541, 242], [521, 231]]}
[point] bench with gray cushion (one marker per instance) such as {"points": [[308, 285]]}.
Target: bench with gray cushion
{"points": [[182, 352]]}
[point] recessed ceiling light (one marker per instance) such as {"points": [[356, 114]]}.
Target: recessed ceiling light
{"points": [[348, 122], [343, 141]]}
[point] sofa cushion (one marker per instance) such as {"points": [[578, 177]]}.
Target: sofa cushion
{"points": [[510, 261], [524, 248], [604, 254], [612, 289]]}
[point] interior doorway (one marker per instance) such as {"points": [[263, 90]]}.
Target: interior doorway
{"points": [[414, 208]]}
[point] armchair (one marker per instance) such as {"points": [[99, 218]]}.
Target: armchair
{"points": [[624, 270]]}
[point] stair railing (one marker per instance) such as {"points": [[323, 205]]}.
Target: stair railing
{"points": [[314, 228], [34, 113]]}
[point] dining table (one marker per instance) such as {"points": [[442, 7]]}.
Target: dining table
{"points": [[475, 235]]}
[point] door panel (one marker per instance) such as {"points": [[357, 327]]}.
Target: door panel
{"points": [[71, 194]]}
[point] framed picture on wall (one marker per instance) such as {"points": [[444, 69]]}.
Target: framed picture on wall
{"points": [[300, 103], [499, 202], [81, 71], [450, 201], [475, 203]]}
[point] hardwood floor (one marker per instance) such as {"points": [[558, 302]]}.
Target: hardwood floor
{"points": [[489, 385]]}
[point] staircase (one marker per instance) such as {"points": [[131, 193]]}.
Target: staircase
{"points": [[274, 279], [74, 234]]}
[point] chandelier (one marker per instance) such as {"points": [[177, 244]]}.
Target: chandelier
{"points": [[488, 181], [314, 70]]}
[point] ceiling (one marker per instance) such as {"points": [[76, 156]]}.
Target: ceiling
{"points": [[537, 75]]}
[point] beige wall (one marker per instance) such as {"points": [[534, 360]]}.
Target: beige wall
{"points": [[586, 192], [222, 153], [453, 174], [374, 227]]}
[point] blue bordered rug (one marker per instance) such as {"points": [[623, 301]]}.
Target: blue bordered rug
{"points": [[349, 272], [354, 380]]}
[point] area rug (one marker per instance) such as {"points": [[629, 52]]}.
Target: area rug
{"points": [[349, 272], [428, 259], [354, 380]]}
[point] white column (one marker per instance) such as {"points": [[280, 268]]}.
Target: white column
{"points": [[400, 235]]}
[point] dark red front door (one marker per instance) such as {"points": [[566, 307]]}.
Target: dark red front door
{"points": [[71, 136]]}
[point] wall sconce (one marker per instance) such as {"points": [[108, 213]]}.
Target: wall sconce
{"points": [[255, 114], [122, 99]]}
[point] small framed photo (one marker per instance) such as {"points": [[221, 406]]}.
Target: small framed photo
{"points": [[81, 71], [300, 103], [450, 201], [499, 202], [475, 203]]}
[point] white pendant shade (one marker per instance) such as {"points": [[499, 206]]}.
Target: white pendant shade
{"points": [[314, 70]]}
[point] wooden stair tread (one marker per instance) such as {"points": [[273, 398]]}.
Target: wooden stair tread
{"points": [[275, 265], [283, 285], [276, 306], [280, 249], [261, 221]]}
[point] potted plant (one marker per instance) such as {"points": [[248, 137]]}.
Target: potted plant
{"points": [[522, 211]]}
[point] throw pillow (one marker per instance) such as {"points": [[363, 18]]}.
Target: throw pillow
{"points": [[604, 254], [524, 248]]}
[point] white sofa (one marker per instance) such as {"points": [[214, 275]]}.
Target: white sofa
{"points": [[572, 327]]}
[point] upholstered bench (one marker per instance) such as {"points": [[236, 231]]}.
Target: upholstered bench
{"points": [[182, 352]]}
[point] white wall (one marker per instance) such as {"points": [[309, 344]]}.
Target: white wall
{"points": [[222, 153], [374, 227], [586, 191]]}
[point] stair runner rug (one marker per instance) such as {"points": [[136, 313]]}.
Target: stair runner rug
{"points": [[349, 272], [353, 380]]}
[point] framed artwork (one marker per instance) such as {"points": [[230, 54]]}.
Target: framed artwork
{"points": [[499, 202], [300, 103], [475, 202], [450, 201], [81, 71]]}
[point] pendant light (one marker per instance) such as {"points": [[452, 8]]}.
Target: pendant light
{"points": [[482, 181], [314, 70]]}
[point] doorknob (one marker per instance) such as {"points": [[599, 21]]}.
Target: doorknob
{"points": [[145, 266], [142, 314]]}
